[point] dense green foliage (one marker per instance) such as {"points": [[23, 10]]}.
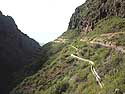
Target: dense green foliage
{"points": [[97, 29], [62, 74]]}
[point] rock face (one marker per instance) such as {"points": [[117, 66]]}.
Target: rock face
{"points": [[94, 10], [16, 50]]}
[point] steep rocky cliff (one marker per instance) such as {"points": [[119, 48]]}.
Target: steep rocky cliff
{"points": [[16, 50], [89, 58], [94, 10]]}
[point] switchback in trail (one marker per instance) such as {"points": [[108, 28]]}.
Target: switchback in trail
{"points": [[94, 72], [107, 44]]}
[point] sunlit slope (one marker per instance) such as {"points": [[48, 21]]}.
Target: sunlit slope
{"points": [[63, 74], [89, 58]]}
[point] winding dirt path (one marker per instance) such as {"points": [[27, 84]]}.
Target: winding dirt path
{"points": [[60, 40], [118, 48], [111, 34], [94, 72], [108, 45], [82, 59]]}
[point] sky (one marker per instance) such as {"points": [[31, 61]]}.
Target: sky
{"points": [[42, 20]]}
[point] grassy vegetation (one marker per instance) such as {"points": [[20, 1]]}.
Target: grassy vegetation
{"points": [[108, 25], [62, 74]]}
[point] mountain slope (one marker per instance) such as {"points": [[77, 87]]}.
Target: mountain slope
{"points": [[95, 34], [16, 51]]}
